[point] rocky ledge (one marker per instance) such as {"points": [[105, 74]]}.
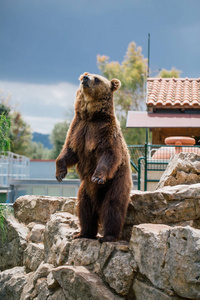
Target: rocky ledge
{"points": [[40, 260], [157, 258]]}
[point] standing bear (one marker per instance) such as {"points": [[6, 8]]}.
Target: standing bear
{"points": [[95, 144]]}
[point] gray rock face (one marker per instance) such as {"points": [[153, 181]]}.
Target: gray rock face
{"points": [[58, 235], [37, 208], [33, 256], [183, 168], [12, 282], [160, 262], [13, 243], [169, 258], [177, 205], [80, 283]]}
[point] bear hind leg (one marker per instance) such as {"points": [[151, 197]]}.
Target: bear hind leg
{"points": [[88, 217], [112, 221]]}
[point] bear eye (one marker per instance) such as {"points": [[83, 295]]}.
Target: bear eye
{"points": [[96, 80]]}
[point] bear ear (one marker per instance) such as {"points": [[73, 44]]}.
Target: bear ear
{"points": [[115, 84], [84, 74]]}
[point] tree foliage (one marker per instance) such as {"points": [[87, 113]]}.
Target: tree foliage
{"points": [[4, 132], [169, 73], [57, 138], [20, 134], [36, 150], [131, 96], [132, 74]]}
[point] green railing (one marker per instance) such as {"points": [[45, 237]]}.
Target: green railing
{"points": [[149, 161]]}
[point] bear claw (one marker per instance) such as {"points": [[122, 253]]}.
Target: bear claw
{"points": [[98, 180], [60, 177]]}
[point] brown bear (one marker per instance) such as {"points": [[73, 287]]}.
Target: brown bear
{"points": [[95, 144]]}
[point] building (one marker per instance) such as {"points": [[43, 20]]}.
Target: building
{"points": [[173, 109]]}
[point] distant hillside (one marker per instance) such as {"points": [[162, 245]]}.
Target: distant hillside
{"points": [[42, 138]]}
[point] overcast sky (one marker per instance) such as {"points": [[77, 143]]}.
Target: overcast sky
{"points": [[46, 44]]}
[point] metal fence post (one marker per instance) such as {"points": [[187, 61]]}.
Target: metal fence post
{"points": [[145, 166]]}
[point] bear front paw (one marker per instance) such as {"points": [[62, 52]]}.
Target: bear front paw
{"points": [[98, 180], [60, 176]]}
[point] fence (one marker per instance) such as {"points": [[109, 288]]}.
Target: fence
{"points": [[150, 161], [12, 166]]}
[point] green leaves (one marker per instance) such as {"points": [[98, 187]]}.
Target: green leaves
{"points": [[4, 132]]}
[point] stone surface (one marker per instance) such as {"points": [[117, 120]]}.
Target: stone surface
{"points": [[79, 283], [143, 291], [83, 252], [33, 256], [169, 258], [183, 168], [29, 291], [12, 282], [160, 261], [58, 295], [13, 243], [70, 206], [58, 235], [124, 265], [37, 233], [149, 247], [183, 258], [37, 208], [169, 205]]}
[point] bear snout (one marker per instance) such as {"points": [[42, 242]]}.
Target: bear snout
{"points": [[85, 80]]}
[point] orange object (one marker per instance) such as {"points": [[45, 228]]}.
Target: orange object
{"points": [[177, 141]]}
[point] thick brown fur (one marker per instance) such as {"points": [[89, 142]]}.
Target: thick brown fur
{"points": [[95, 144]]}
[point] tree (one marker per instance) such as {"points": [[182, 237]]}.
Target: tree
{"points": [[36, 150], [4, 132], [132, 74], [20, 134], [169, 73], [57, 138]]}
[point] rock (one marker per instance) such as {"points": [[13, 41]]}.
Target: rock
{"points": [[13, 243], [51, 282], [58, 295], [58, 234], [169, 258], [70, 206], [37, 208], [79, 283], [149, 247], [183, 258], [12, 282], [183, 168], [169, 205], [37, 233], [29, 291], [33, 256], [105, 253], [145, 291], [41, 289], [83, 252], [119, 272]]}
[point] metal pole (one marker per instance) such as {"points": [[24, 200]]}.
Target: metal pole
{"points": [[148, 54], [145, 167]]}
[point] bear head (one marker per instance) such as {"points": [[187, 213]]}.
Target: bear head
{"points": [[97, 87]]}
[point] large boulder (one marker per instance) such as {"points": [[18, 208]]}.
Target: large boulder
{"points": [[169, 258], [37, 208], [12, 242], [58, 235], [177, 205], [79, 283], [183, 168], [12, 282]]}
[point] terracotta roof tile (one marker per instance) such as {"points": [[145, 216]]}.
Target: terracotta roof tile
{"points": [[173, 92]]}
